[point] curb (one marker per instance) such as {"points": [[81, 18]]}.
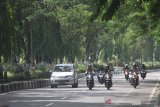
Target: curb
{"points": [[15, 86]]}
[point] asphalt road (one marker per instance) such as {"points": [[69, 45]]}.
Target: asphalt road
{"points": [[122, 94]]}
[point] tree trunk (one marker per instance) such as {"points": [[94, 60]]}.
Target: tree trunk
{"points": [[28, 44]]}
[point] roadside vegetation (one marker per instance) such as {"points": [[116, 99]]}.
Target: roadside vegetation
{"points": [[61, 31]]}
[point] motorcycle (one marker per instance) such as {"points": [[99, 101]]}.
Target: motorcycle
{"points": [[101, 77], [134, 80], [108, 81], [90, 80], [143, 73], [126, 73], [129, 76]]}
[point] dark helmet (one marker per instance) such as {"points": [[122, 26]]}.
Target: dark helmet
{"points": [[89, 66], [134, 65], [143, 65]]}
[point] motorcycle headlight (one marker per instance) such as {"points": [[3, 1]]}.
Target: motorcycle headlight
{"points": [[88, 76], [106, 76]]}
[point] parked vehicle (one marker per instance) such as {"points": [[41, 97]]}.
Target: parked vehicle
{"points": [[64, 74]]}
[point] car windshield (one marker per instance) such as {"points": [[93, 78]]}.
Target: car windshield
{"points": [[63, 69]]}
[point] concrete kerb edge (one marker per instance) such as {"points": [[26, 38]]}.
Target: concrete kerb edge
{"points": [[23, 85]]}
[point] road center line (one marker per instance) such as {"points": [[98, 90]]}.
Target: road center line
{"points": [[127, 94], [64, 98], [152, 94], [49, 104]]}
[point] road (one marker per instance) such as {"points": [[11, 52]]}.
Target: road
{"points": [[122, 94]]}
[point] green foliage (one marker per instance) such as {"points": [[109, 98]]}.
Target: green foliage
{"points": [[37, 74], [41, 70], [81, 68], [18, 76], [42, 67], [55, 31]]}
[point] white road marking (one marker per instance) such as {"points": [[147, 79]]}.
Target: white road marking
{"points": [[128, 93], [3, 94], [152, 94], [63, 98], [49, 104]]}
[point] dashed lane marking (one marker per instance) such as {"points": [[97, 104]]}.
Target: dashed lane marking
{"points": [[49, 104], [63, 98], [154, 90]]}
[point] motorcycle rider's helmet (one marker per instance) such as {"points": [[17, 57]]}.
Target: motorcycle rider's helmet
{"points": [[89, 67], [107, 66], [126, 65], [134, 65]]}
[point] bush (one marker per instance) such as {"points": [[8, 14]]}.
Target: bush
{"points": [[41, 67], [40, 74], [41, 70], [16, 76], [81, 68], [152, 65], [19, 69]]}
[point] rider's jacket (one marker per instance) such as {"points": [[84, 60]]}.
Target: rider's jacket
{"points": [[136, 70]]}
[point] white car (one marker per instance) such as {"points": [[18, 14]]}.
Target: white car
{"points": [[64, 74]]}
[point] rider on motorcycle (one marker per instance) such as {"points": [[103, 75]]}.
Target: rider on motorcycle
{"points": [[143, 67], [108, 71], [90, 69], [106, 68], [100, 70], [126, 68], [136, 70]]}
